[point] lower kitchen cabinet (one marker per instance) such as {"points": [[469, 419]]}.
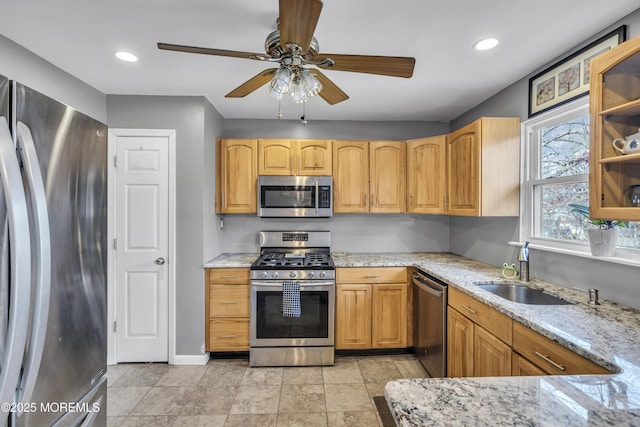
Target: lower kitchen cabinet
{"points": [[371, 310], [549, 356], [353, 316], [227, 309], [491, 357], [479, 338], [483, 342], [521, 367]]}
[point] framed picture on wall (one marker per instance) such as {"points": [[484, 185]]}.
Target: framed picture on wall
{"points": [[568, 79]]}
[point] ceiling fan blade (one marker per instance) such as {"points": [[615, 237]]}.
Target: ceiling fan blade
{"points": [[330, 92], [396, 66], [252, 84], [298, 20], [208, 51]]}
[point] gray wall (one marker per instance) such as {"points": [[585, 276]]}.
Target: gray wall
{"points": [[196, 122], [349, 233], [17, 63], [468, 236]]}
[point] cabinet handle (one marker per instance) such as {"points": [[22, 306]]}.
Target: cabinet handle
{"points": [[410, 201], [228, 302], [228, 277], [548, 360], [228, 336], [371, 276], [470, 310], [222, 200]]}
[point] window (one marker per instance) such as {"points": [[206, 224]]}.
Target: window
{"points": [[556, 174]]}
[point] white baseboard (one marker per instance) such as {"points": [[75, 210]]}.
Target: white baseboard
{"points": [[195, 359]]}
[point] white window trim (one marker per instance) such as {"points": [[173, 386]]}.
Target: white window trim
{"points": [[527, 170]]}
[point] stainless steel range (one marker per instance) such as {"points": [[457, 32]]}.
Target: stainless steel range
{"points": [[293, 300]]}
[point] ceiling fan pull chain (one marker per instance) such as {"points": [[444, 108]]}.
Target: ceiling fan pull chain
{"points": [[279, 111]]}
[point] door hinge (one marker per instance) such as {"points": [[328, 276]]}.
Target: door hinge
{"points": [[115, 244], [115, 161], [115, 326]]}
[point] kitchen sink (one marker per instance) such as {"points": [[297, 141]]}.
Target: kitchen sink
{"points": [[522, 294]]}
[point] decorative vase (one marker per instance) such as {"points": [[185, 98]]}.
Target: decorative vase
{"points": [[603, 241]]}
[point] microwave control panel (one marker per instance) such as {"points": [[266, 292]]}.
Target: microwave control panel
{"points": [[324, 198]]}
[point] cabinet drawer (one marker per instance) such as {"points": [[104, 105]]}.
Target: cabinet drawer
{"points": [[371, 275], [228, 301], [229, 334], [238, 276], [550, 356], [492, 320]]}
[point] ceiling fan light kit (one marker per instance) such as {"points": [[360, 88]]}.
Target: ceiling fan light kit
{"points": [[293, 46]]}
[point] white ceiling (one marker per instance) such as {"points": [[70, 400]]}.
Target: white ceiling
{"points": [[80, 37]]}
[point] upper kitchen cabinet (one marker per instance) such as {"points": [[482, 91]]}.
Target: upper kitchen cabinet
{"points": [[236, 175], [426, 177], [483, 168], [350, 176], [387, 171], [294, 157], [614, 104], [369, 176]]}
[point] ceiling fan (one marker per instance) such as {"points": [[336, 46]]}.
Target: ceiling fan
{"points": [[293, 47]]}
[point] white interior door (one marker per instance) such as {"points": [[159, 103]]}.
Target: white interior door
{"points": [[142, 248]]}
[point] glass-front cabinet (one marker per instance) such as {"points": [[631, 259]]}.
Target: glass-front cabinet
{"points": [[615, 133]]}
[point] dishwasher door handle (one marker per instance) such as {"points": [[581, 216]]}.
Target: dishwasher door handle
{"points": [[427, 288]]}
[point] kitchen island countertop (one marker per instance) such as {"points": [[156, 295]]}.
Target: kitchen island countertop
{"points": [[608, 334]]}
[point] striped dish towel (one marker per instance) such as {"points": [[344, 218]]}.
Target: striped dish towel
{"points": [[291, 299]]}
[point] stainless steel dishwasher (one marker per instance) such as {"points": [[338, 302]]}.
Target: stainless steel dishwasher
{"points": [[430, 323]]}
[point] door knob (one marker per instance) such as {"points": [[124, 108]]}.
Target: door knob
{"points": [[160, 261]]}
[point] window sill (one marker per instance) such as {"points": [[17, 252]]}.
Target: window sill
{"points": [[581, 254]]}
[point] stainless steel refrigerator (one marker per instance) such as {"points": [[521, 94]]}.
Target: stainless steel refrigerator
{"points": [[53, 222]]}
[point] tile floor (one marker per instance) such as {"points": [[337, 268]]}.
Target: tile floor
{"points": [[230, 393]]}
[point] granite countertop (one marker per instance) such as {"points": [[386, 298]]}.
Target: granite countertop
{"points": [[608, 334]]}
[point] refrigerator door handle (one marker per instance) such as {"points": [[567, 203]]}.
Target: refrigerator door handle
{"points": [[37, 199], [18, 219]]}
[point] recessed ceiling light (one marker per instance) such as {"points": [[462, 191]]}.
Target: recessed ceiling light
{"points": [[126, 56], [486, 44]]}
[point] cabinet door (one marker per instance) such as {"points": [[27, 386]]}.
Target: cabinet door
{"points": [[350, 176], [314, 157], [236, 183], [426, 177], [459, 345], [613, 106], [276, 157], [463, 166], [389, 320], [491, 357], [387, 176], [353, 317], [521, 367]]}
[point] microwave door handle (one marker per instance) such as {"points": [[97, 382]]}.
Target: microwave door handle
{"points": [[317, 196]]}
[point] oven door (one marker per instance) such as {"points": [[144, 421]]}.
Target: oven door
{"points": [[314, 327]]}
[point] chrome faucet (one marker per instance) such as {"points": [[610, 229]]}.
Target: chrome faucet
{"points": [[523, 258]]}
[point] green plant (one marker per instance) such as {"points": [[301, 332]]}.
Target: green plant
{"points": [[602, 223]]}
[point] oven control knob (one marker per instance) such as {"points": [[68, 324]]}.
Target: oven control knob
{"points": [[323, 275], [312, 275], [275, 274], [292, 274], [264, 274]]}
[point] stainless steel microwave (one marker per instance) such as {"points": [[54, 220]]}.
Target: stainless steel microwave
{"points": [[295, 196]]}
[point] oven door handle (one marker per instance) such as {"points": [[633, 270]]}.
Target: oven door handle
{"points": [[302, 284]]}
